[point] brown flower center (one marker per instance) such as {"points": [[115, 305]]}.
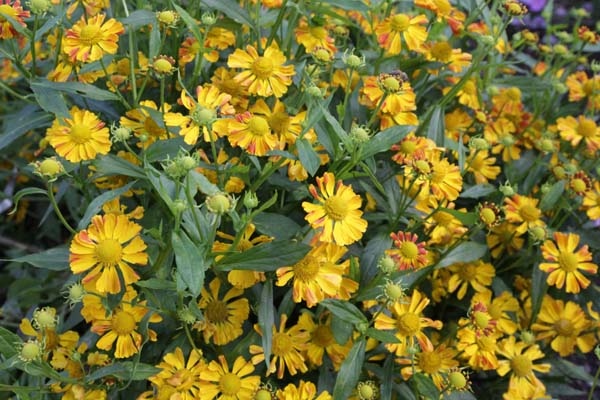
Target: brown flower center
{"points": [[306, 269], [216, 311], [564, 327]]}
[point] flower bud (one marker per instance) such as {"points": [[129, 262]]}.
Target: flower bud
{"points": [[208, 19], [367, 390], [163, 65], [479, 143], [387, 265], [250, 200], [120, 134], [360, 134], [39, 7], [457, 380], [45, 318], [314, 91], [219, 203], [537, 233], [507, 190], [31, 350], [49, 169], [167, 17], [179, 206], [75, 293]]}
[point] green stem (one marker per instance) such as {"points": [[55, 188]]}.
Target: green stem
{"points": [[277, 23], [594, 383], [57, 210], [162, 94], [116, 89], [7, 89], [32, 45]]}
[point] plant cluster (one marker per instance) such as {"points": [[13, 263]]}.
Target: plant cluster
{"points": [[297, 199]]}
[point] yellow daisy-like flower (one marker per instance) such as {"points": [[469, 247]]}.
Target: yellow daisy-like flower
{"points": [[314, 37], [481, 165], [407, 320], [287, 127], [217, 379], [263, 75], [565, 263], [90, 40], [479, 350], [576, 130], [407, 253], [223, 317], [523, 210], [107, 247], [434, 362], [322, 341], [203, 114], [121, 326], [519, 361], [591, 202], [338, 211], [252, 133], [581, 86], [179, 379], [80, 137], [286, 349], [16, 12], [504, 238], [499, 309], [394, 28], [477, 274], [304, 391], [317, 276], [141, 123], [563, 324]]}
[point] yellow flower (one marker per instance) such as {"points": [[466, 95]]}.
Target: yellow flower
{"points": [[576, 130], [314, 37], [564, 325], [231, 385], [498, 309], [581, 86], [141, 122], [481, 165], [434, 362], [477, 274], [479, 350], [179, 379], [591, 202], [263, 75], [107, 247], [252, 133], [317, 276], [16, 12], [338, 211], [504, 238], [80, 137], [304, 391], [224, 80], [523, 210], [407, 320], [286, 349], [203, 114], [90, 40], [454, 59], [442, 227], [565, 263], [286, 127], [407, 253], [394, 28], [121, 326], [322, 341], [519, 362], [223, 317]]}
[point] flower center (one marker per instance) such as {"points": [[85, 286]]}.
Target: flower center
{"points": [[400, 23], [282, 344], [441, 51], [230, 384], [568, 261], [409, 324], [123, 323], [80, 133], [586, 128], [521, 366], [322, 336], [89, 35], [258, 126], [108, 252], [409, 250], [279, 122], [152, 127], [564, 327], [408, 147], [578, 185], [203, 116], [306, 269], [318, 32], [216, 311], [335, 207], [529, 213], [468, 272], [482, 319], [262, 67], [488, 216], [430, 362]]}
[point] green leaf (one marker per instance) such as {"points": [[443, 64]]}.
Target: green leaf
{"points": [[341, 134], [232, 9], [204, 185], [425, 386], [109, 165], [139, 18], [51, 100], [55, 259], [477, 191], [387, 379], [382, 336], [437, 126], [345, 310], [96, 205], [8, 343], [191, 23], [308, 156], [464, 252], [342, 330], [158, 284], [462, 395], [467, 218], [552, 196], [563, 367], [265, 257], [350, 371], [78, 88], [384, 140], [539, 287], [125, 371], [14, 128], [275, 225], [26, 192], [350, 5], [190, 262], [266, 319]]}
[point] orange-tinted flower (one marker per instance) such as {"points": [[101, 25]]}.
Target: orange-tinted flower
{"points": [[407, 253], [16, 12], [90, 40], [395, 28]]}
